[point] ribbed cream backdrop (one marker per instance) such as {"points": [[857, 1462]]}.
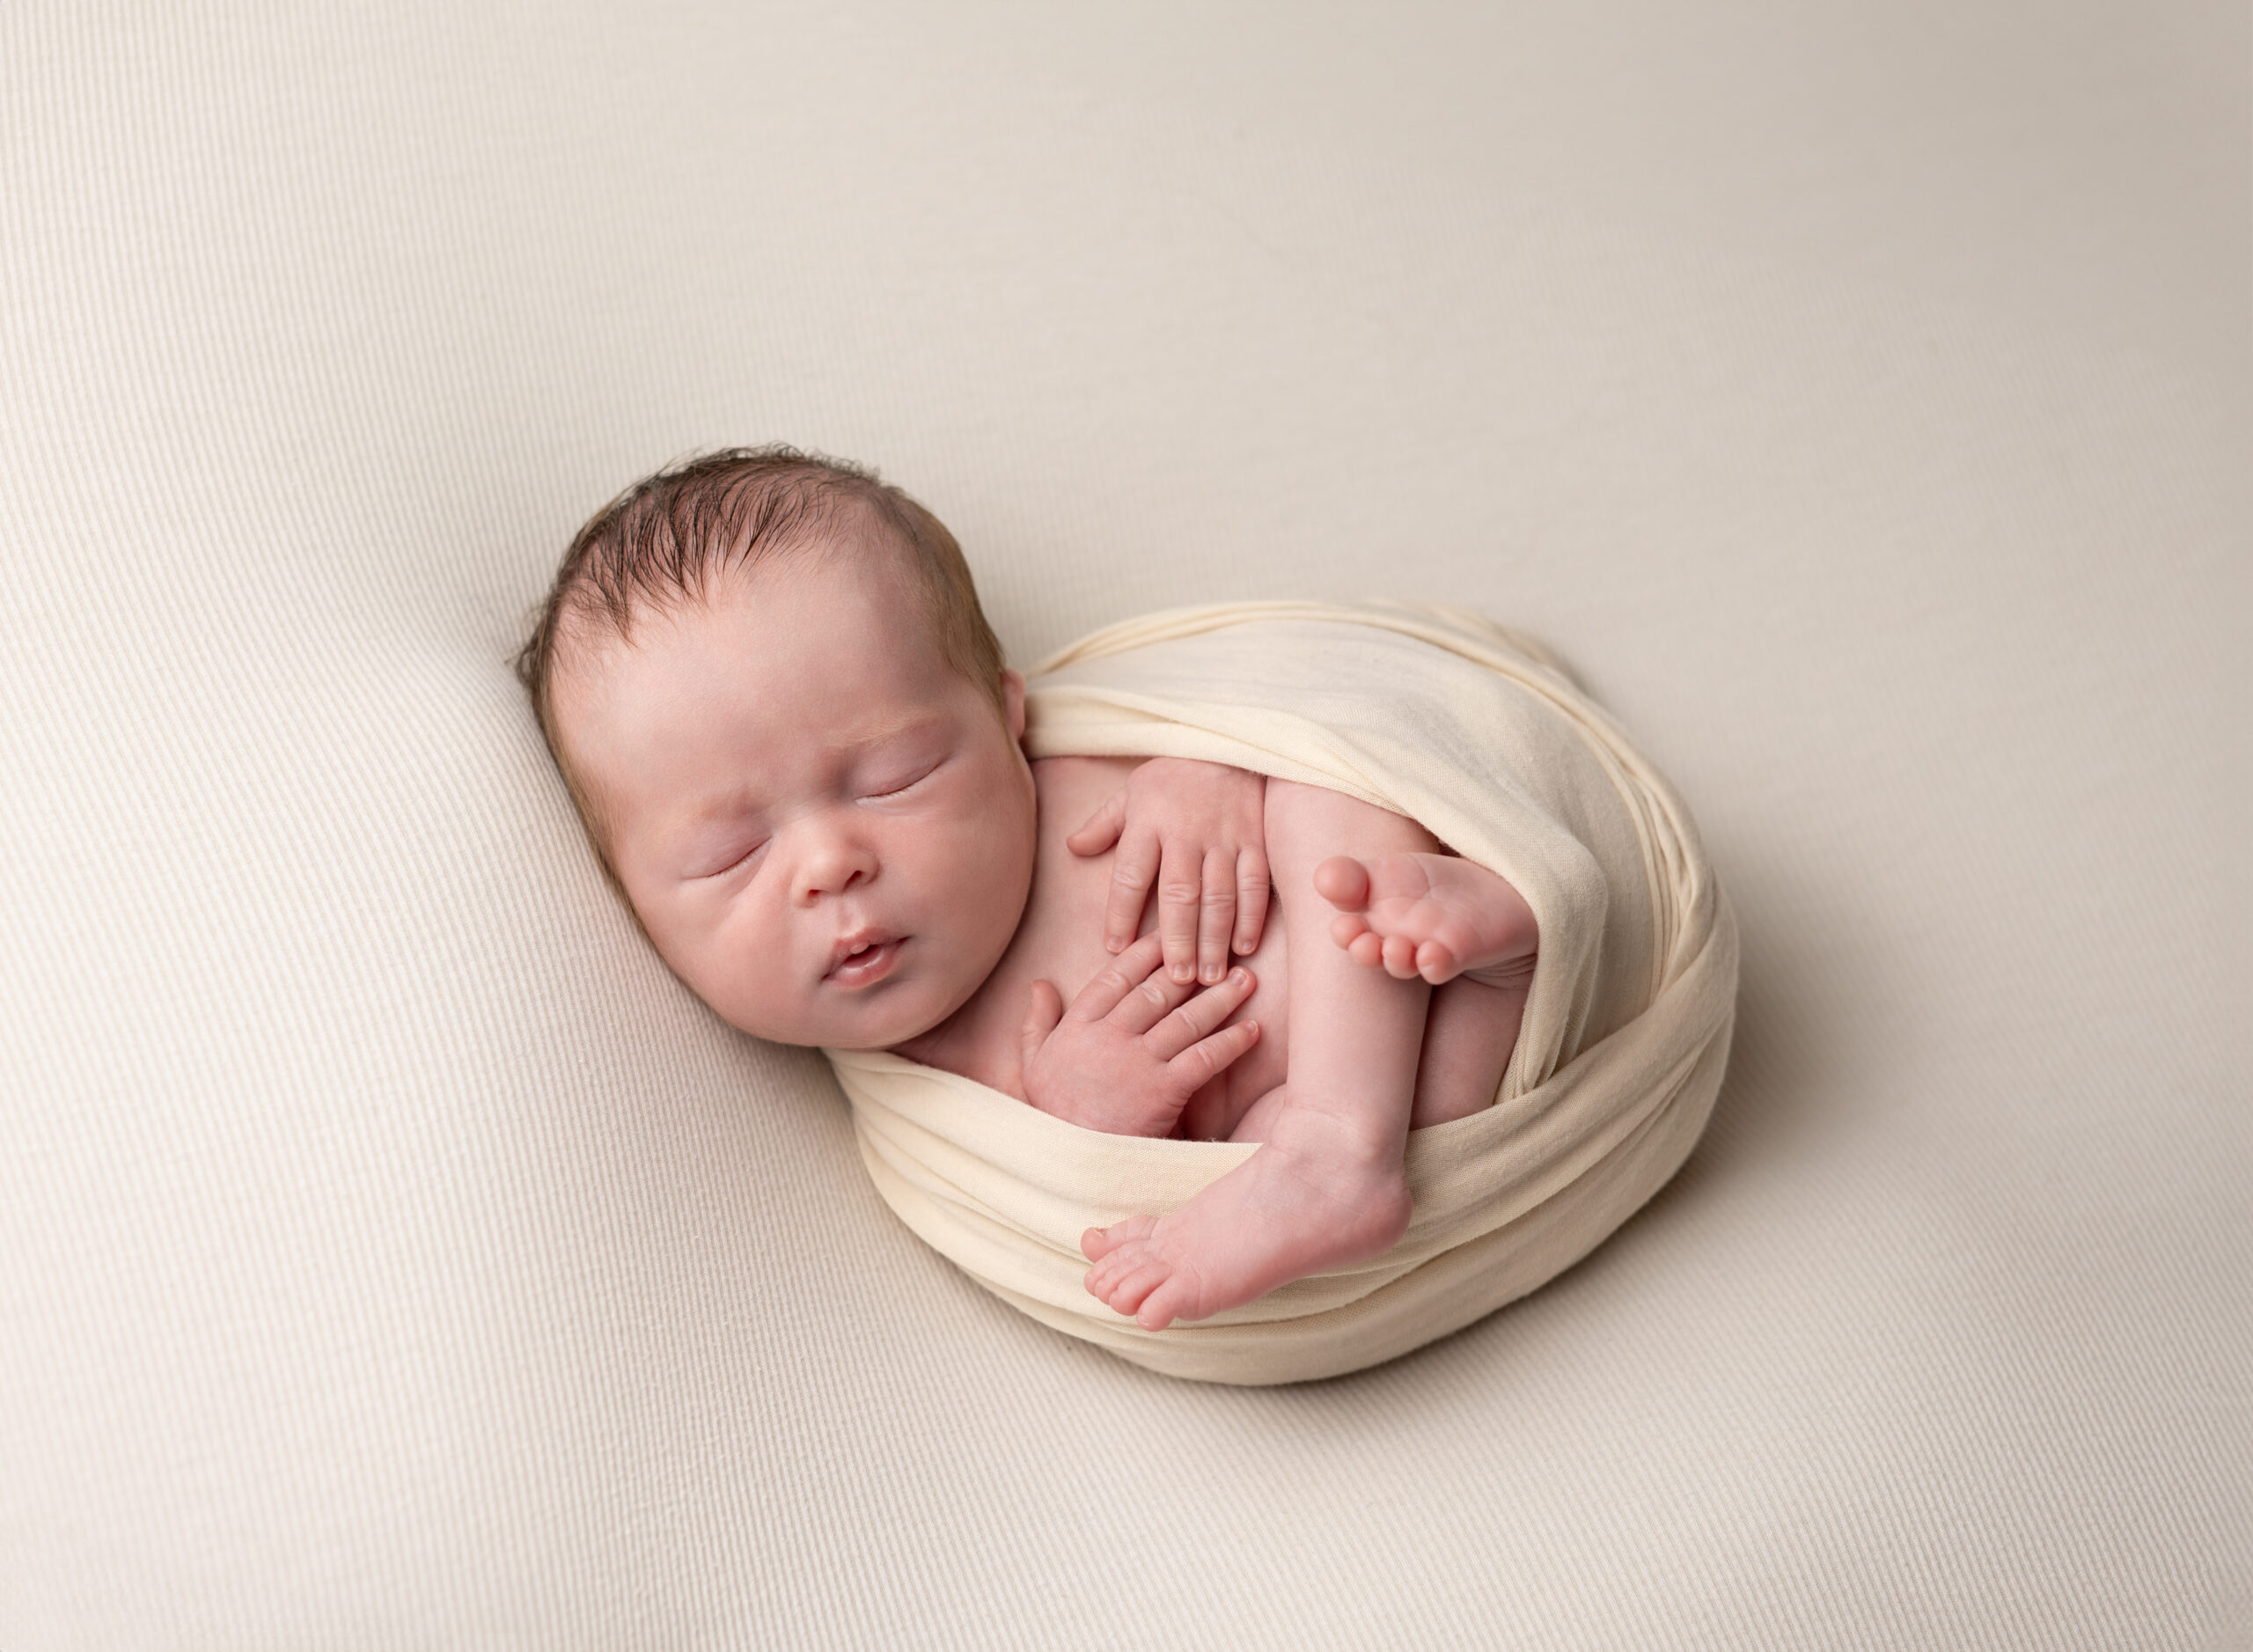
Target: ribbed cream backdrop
{"points": [[393, 1255]]}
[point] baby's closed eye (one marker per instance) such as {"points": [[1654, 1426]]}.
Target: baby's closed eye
{"points": [[725, 858], [891, 781]]}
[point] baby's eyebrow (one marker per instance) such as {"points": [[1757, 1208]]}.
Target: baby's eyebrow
{"points": [[908, 723], [721, 808]]}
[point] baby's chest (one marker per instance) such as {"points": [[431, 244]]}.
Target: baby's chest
{"points": [[1063, 924]]}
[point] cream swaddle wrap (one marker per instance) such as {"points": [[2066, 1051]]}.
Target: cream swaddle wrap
{"points": [[1479, 735]]}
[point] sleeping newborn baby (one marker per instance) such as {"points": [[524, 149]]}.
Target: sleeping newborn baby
{"points": [[787, 729]]}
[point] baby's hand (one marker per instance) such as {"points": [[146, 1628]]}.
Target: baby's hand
{"points": [[1133, 1047], [1197, 831]]}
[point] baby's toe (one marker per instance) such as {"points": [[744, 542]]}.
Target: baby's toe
{"points": [[1400, 957], [1344, 882], [1132, 1287], [1175, 1298], [1127, 1261], [1098, 1242], [1347, 928], [1436, 963], [1103, 1277]]}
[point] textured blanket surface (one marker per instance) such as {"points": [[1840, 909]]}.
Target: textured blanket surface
{"points": [[1484, 738]]}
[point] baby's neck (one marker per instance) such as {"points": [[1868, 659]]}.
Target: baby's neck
{"points": [[954, 1045]]}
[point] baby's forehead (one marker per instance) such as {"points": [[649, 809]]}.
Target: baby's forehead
{"points": [[830, 615]]}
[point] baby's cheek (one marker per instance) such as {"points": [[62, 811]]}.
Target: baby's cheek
{"points": [[983, 884], [754, 964]]}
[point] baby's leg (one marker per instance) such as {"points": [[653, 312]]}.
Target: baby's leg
{"points": [[1470, 1033], [1325, 1189], [1468, 1038], [1444, 920]]}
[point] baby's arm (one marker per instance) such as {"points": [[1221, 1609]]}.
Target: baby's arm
{"points": [[1196, 831]]}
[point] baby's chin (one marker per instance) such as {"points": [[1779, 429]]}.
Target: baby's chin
{"points": [[876, 1019]]}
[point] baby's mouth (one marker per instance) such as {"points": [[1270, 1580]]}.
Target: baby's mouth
{"points": [[865, 959]]}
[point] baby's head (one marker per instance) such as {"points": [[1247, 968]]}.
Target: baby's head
{"points": [[787, 729]]}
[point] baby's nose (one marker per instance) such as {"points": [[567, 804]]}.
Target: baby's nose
{"points": [[835, 861]]}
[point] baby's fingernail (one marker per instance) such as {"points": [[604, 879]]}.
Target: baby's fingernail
{"points": [[1182, 973]]}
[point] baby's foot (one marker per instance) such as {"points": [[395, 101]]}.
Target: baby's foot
{"points": [[1287, 1211], [1434, 916]]}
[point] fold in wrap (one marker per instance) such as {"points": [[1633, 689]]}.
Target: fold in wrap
{"points": [[1478, 734]]}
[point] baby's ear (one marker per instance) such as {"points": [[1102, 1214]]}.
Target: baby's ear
{"points": [[1013, 701]]}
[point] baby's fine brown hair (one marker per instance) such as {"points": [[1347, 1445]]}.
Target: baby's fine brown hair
{"points": [[659, 543]]}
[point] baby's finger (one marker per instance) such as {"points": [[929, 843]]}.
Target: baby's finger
{"points": [[1150, 1000], [1208, 1059], [1044, 1009], [1101, 829], [1252, 890], [1115, 980], [1197, 1018], [1131, 876], [1181, 893], [1215, 917]]}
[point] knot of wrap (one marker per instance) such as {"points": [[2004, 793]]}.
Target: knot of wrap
{"points": [[1480, 736]]}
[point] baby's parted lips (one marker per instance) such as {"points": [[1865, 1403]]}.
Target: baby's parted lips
{"points": [[858, 947]]}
